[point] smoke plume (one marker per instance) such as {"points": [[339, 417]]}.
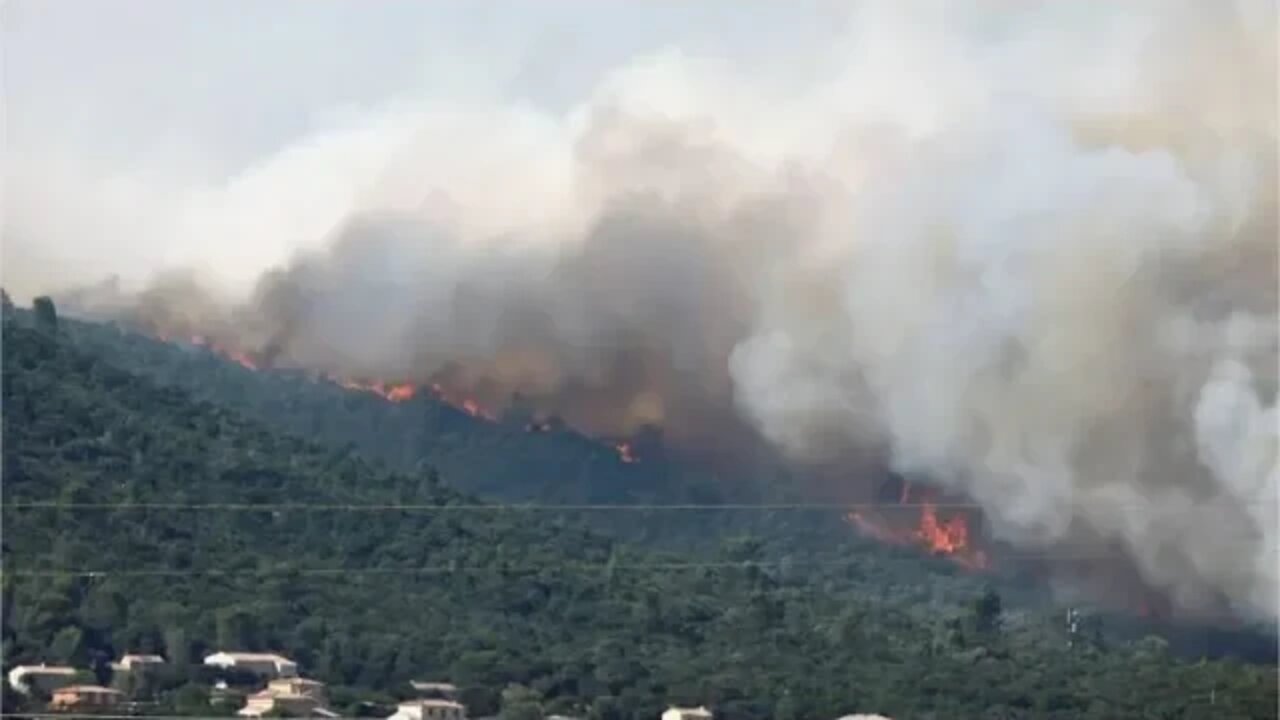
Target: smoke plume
{"points": [[1027, 251]]}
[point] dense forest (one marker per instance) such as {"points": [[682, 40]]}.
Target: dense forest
{"points": [[498, 459], [494, 458], [138, 517]]}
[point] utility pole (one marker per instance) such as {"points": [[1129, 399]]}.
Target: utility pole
{"points": [[1073, 626]]}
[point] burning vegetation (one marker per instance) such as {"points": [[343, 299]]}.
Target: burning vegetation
{"points": [[935, 531], [400, 392], [949, 536], [625, 453]]}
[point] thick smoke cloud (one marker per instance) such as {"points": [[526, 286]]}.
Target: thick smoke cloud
{"points": [[1065, 308], [1028, 254]]}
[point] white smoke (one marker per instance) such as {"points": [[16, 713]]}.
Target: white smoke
{"points": [[1065, 307], [1029, 249]]}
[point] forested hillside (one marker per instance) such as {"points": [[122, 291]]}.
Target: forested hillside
{"points": [[500, 460], [137, 518], [496, 459]]}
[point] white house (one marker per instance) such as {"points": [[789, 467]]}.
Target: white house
{"points": [[429, 709], [267, 665], [132, 662], [44, 678], [679, 713]]}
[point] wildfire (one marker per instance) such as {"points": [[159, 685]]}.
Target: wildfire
{"points": [[948, 537], [402, 392], [467, 405], [625, 453], [235, 356], [394, 392], [397, 392], [472, 408]]}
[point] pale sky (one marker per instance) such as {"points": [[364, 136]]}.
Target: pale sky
{"points": [[142, 135], [104, 98]]}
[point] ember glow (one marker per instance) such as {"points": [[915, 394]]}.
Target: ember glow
{"points": [[235, 356], [625, 453], [949, 537], [472, 408], [394, 392]]}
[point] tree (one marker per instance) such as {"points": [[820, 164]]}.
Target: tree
{"points": [[192, 699], [986, 611], [237, 629], [177, 646], [520, 703], [46, 314], [787, 708], [100, 666], [67, 645], [618, 649]]}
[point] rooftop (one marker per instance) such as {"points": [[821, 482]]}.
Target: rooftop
{"points": [[48, 669], [250, 656]]}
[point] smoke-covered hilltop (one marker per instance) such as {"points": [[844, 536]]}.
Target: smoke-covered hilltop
{"points": [[1030, 254]]}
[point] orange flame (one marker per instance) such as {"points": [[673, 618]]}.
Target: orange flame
{"points": [[467, 405], [625, 453], [394, 392], [243, 359], [401, 392], [949, 537], [235, 356], [472, 408]]}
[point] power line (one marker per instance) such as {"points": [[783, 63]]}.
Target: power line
{"points": [[423, 570], [497, 566], [484, 507]]}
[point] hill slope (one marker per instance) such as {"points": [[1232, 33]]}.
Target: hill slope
{"points": [[366, 599], [501, 461], [497, 460]]}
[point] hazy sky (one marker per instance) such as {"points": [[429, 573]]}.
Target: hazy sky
{"points": [[249, 74], [102, 98], [224, 134]]}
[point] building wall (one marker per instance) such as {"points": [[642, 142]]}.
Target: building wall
{"points": [[86, 699]]}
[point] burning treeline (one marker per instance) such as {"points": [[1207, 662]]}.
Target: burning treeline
{"points": [[1034, 265], [399, 392], [911, 519]]}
